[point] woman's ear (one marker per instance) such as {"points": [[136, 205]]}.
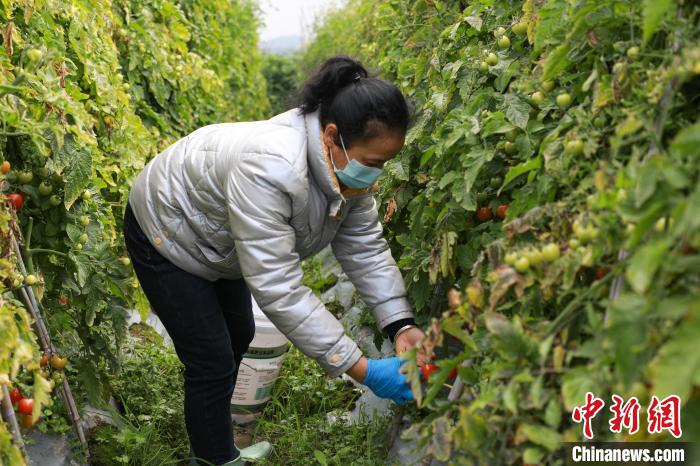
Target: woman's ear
{"points": [[330, 134]]}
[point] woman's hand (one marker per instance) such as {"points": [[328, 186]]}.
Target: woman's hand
{"points": [[407, 340]]}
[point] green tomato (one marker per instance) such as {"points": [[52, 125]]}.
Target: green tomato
{"points": [[492, 59], [84, 220], [25, 177], [511, 135], [503, 43], [496, 182], [519, 28], [563, 100], [548, 85], [45, 188], [86, 195], [483, 66], [550, 252], [537, 97], [55, 200], [31, 279], [125, 261], [78, 246], [574, 243], [84, 238], [43, 172], [660, 224], [499, 31], [633, 53], [510, 148], [56, 178], [511, 258], [34, 55], [534, 256], [522, 264], [574, 146]]}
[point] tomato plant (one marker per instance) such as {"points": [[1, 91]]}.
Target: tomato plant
{"points": [[596, 100], [88, 99]]}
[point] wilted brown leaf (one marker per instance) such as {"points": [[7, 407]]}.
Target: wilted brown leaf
{"points": [[390, 209], [7, 38]]}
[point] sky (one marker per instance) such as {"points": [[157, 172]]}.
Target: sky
{"points": [[290, 17]]}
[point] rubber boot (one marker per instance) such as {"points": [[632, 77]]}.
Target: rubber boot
{"points": [[253, 453], [256, 451], [237, 462]]}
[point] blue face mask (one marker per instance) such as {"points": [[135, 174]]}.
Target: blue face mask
{"points": [[355, 174]]}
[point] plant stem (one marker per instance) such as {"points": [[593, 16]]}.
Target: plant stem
{"points": [[29, 252], [571, 309]]}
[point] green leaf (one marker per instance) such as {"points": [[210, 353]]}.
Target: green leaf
{"points": [[654, 12], [673, 370], [495, 124], [687, 141], [321, 457], [533, 455], [543, 436], [474, 21], [78, 176], [399, 168], [575, 385], [82, 267], [517, 110], [557, 62], [521, 169], [626, 330], [645, 262]]}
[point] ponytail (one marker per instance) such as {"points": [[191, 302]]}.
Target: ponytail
{"points": [[361, 106]]}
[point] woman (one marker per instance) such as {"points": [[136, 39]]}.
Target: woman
{"points": [[234, 207]]}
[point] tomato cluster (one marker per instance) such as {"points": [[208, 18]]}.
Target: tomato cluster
{"points": [[25, 407]]}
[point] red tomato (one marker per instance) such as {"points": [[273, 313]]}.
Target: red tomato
{"points": [[25, 406], [484, 214], [16, 200], [5, 167], [453, 374], [44, 360], [63, 299], [501, 211], [600, 272], [15, 395], [428, 369]]}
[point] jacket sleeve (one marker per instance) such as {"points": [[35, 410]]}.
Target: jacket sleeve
{"points": [[366, 258], [260, 189]]}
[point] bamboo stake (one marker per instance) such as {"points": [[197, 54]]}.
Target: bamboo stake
{"points": [[8, 415], [47, 346]]}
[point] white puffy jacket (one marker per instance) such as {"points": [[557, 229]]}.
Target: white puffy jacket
{"points": [[251, 200]]}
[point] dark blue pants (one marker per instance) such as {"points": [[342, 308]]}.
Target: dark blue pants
{"points": [[211, 325]]}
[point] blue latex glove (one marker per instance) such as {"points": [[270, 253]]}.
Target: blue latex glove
{"points": [[385, 380]]}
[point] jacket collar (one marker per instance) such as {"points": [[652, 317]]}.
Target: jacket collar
{"points": [[320, 163]]}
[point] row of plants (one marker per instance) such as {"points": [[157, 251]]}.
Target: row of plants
{"points": [[90, 90], [547, 198]]}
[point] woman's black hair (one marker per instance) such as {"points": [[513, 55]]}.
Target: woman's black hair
{"points": [[361, 106]]}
